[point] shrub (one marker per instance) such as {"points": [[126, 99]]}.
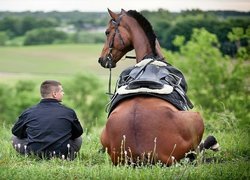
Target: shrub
{"points": [[87, 37], [85, 94], [3, 38], [217, 83], [6, 104], [13, 100], [24, 95]]}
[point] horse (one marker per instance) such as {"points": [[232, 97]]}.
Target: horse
{"points": [[144, 128]]}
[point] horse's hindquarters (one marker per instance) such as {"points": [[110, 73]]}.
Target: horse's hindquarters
{"points": [[148, 127]]}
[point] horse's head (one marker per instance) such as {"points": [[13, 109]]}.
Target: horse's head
{"points": [[118, 41]]}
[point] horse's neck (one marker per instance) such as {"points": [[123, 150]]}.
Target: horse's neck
{"points": [[140, 43], [158, 49], [142, 46]]}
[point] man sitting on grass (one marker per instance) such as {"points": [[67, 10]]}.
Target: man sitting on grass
{"points": [[48, 129]]}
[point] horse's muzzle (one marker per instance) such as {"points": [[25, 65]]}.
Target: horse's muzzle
{"points": [[106, 63]]}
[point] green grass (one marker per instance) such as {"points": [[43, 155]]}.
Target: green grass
{"points": [[54, 60], [231, 162]]}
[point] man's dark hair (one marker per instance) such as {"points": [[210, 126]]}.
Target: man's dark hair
{"points": [[47, 86]]}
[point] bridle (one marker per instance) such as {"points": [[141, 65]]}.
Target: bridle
{"points": [[111, 45]]}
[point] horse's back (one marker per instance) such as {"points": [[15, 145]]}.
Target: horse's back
{"points": [[151, 125]]}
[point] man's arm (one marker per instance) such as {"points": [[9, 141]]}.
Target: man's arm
{"points": [[76, 128], [19, 129]]}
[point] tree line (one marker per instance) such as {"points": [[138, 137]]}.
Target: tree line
{"points": [[31, 28], [169, 25]]}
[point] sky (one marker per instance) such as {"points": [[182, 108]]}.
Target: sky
{"points": [[116, 5]]}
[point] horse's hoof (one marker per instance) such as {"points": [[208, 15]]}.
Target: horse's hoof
{"points": [[211, 143]]}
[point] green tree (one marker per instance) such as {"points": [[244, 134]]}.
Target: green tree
{"points": [[43, 36], [12, 25], [237, 35]]}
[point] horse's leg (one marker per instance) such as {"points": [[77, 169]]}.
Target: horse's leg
{"points": [[194, 121], [107, 146], [104, 141], [192, 126], [189, 130], [209, 143], [108, 141]]}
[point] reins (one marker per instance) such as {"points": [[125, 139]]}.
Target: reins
{"points": [[110, 76], [109, 87], [130, 57], [111, 45]]}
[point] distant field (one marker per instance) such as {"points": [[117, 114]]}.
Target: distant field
{"points": [[53, 61]]}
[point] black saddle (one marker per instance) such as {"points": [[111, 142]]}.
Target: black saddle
{"points": [[145, 76], [154, 75]]}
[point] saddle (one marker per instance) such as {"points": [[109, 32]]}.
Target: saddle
{"points": [[153, 78]]}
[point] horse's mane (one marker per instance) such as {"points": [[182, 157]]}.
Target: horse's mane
{"points": [[146, 26]]}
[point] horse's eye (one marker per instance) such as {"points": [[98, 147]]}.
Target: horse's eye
{"points": [[107, 33]]}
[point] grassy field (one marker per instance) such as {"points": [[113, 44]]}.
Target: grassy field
{"points": [[62, 62], [57, 61]]}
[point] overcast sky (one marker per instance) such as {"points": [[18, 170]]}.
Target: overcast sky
{"points": [[116, 5]]}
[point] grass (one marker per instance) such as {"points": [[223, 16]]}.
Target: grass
{"points": [[54, 60], [231, 162], [58, 59]]}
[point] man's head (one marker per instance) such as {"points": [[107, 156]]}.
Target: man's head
{"points": [[51, 89]]}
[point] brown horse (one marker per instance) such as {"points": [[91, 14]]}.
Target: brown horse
{"points": [[144, 128]]}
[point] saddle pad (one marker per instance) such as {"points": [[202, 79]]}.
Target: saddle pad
{"points": [[167, 89], [173, 98]]}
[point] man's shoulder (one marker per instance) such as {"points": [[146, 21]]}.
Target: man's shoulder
{"points": [[31, 108], [28, 111], [68, 111], [66, 108]]}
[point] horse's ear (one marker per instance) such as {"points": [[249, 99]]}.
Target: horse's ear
{"points": [[123, 11], [112, 14]]}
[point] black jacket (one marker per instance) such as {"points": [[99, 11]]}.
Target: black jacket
{"points": [[48, 126]]}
